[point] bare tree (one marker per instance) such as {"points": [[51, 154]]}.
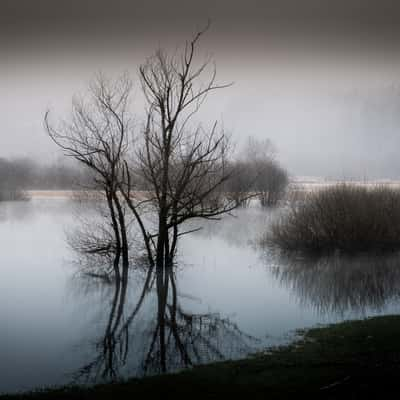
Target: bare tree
{"points": [[97, 135], [184, 166]]}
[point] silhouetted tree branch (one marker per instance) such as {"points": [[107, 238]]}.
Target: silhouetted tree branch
{"points": [[183, 167], [97, 135]]}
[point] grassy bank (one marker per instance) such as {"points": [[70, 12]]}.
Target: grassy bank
{"points": [[357, 359]]}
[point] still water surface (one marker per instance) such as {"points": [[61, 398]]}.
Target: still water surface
{"points": [[227, 298]]}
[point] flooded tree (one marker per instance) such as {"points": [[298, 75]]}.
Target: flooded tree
{"points": [[183, 165], [97, 135]]}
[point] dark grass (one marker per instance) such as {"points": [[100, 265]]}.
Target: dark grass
{"points": [[357, 359], [343, 217]]}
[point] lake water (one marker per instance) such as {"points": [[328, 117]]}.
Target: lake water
{"points": [[227, 298]]}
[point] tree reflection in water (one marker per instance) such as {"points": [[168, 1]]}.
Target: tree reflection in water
{"points": [[162, 338], [340, 284]]}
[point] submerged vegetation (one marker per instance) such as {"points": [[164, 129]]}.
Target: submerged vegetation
{"points": [[183, 166], [343, 217]]}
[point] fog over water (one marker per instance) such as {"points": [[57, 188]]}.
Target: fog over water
{"points": [[321, 79]]}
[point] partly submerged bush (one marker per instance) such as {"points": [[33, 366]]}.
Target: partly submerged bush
{"points": [[344, 217]]}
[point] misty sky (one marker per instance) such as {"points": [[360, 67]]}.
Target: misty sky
{"points": [[321, 79]]}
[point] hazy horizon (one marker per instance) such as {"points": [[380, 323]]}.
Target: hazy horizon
{"points": [[322, 81]]}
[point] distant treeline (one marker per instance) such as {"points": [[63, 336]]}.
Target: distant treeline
{"points": [[26, 174], [254, 170]]}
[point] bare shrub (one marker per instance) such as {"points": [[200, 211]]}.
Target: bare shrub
{"points": [[179, 162], [344, 217]]}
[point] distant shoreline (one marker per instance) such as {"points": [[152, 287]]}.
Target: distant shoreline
{"points": [[309, 185], [51, 194]]}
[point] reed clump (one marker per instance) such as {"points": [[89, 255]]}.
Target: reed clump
{"points": [[343, 217]]}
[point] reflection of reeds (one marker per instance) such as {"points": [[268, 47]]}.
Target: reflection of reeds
{"points": [[339, 284]]}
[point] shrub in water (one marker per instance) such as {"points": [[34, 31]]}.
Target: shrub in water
{"points": [[344, 217]]}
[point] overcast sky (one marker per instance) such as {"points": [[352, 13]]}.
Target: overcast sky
{"points": [[321, 79]]}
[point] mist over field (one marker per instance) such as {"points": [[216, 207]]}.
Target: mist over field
{"points": [[321, 80]]}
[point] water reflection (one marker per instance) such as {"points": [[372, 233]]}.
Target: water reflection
{"points": [[241, 228], [149, 329], [53, 325], [155, 334], [341, 284]]}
